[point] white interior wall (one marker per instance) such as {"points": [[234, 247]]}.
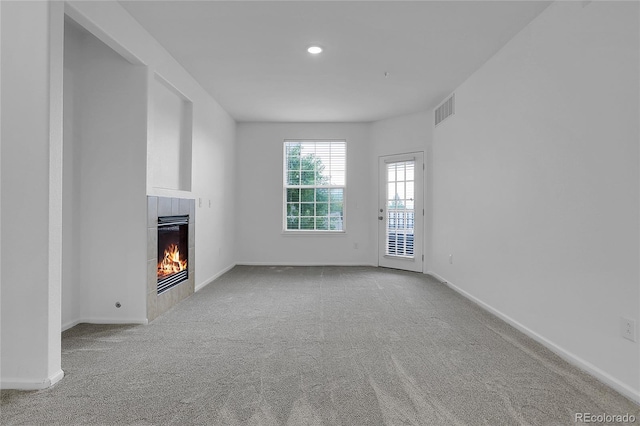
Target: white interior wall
{"points": [[71, 288], [214, 188], [259, 199], [56, 88], [406, 133], [213, 134], [399, 135], [260, 154], [169, 156], [536, 185], [108, 184], [31, 86]]}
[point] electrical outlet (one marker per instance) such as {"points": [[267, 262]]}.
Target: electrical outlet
{"points": [[199, 202], [628, 328], [451, 259]]}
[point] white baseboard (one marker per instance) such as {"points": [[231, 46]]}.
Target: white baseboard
{"points": [[91, 320], [215, 277], [437, 277], [22, 384], [70, 324], [289, 263], [568, 356]]}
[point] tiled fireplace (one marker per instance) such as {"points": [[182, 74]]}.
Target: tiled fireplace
{"points": [[170, 252]]}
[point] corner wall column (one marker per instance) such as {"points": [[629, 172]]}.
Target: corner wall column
{"points": [[31, 191]]}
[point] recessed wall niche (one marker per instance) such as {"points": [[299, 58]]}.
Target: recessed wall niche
{"points": [[104, 181], [170, 134]]}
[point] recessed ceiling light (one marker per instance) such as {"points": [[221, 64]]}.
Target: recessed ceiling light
{"points": [[314, 50]]}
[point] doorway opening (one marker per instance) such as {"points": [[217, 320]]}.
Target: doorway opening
{"points": [[401, 211]]}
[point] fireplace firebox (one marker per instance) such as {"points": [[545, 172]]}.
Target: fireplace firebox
{"points": [[173, 251]]}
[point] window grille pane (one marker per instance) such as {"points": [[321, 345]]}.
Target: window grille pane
{"points": [[308, 195], [293, 195], [293, 162], [293, 209], [307, 209], [391, 190], [322, 195], [322, 209], [293, 149], [410, 171], [337, 195], [307, 223], [322, 223], [400, 194], [335, 223], [307, 177], [410, 192], [293, 178]]}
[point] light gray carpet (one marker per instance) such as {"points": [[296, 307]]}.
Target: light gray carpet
{"points": [[313, 346]]}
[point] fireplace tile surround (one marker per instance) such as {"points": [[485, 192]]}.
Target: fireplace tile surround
{"points": [[158, 207]]}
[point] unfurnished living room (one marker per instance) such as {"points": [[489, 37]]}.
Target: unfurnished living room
{"points": [[319, 212]]}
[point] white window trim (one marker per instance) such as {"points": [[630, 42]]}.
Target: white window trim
{"points": [[307, 232]]}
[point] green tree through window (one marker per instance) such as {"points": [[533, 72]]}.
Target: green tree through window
{"points": [[314, 185]]}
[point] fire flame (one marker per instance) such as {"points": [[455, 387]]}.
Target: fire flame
{"points": [[171, 262]]}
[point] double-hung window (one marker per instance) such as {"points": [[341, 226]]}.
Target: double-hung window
{"points": [[314, 185]]}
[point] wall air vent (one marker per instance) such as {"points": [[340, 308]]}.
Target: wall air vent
{"points": [[446, 109]]}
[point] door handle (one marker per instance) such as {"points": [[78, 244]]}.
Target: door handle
{"points": [[380, 217]]}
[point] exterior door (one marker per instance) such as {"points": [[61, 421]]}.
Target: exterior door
{"points": [[401, 212]]}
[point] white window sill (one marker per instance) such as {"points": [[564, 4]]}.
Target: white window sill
{"points": [[312, 233], [409, 258]]}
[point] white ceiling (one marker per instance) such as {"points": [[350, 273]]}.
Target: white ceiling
{"points": [[251, 55]]}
